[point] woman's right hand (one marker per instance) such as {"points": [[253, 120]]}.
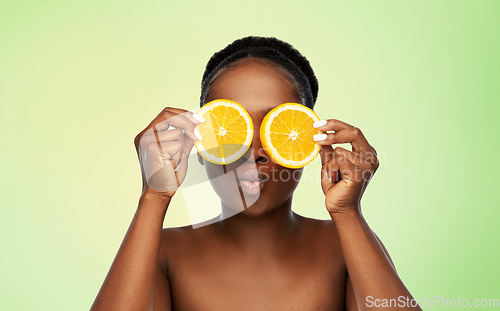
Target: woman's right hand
{"points": [[163, 148]]}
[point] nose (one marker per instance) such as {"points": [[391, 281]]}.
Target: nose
{"points": [[256, 153]]}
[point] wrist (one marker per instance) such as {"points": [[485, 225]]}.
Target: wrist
{"points": [[156, 199], [346, 215]]}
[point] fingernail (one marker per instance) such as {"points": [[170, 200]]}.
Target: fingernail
{"points": [[197, 134], [319, 137], [319, 123], [199, 118], [330, 179]]}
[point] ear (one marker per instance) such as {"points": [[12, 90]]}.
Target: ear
{"points": [[200, 158]]}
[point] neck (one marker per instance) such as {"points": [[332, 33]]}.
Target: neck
{"points": [[261, 231]]}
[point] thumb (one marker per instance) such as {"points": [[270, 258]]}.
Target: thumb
{"points": [[326, 154], [325, 180]]}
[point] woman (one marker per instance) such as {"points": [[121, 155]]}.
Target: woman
{"points": [[265, 257]]}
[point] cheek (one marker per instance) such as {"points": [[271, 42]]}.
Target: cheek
{"points": [[225, 184], [223, 181]]}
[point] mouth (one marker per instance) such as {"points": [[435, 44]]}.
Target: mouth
{"points": [[250, 182]]}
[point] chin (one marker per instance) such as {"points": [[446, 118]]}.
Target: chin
{"points": [[256, 211]]}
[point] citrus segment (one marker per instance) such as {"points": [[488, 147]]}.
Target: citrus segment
{"points": [[287, 135], [226, 133]]}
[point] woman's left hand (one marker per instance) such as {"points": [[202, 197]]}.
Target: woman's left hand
{"points": [[345, 174]]}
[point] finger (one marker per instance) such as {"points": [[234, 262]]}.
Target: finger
{"points": [[158, 122], [162, 137], [367, 160], [195, 119], [331, 125], [368, 154], [340, 168], [361, 169], [180, 121], [188, 145], [329, 138], [182, 168], [172, 117], [330, 175], [170, 143], [326, 154], [351, 135], [180, 155], [356, 158], [325, 180], [173, 151], [336, 170], [371, 158]]}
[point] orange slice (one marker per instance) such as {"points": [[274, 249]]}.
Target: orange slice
{"points": [[226, 133], [287, 135]]}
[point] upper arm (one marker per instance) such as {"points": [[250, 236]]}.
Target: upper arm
{"points": [[162, 300]]}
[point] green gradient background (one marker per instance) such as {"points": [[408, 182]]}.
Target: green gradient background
{"points": [[78, 81]]}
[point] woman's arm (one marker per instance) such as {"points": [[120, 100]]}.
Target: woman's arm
{"points": [[130, 282], [136, 280], [350, 298], [371, 272], [385, 250], [344, 177]]}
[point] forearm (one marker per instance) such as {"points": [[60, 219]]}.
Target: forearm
{"points": [[130, 281], [370, 269]]}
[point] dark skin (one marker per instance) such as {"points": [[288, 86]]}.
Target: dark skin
{"points": [[266, 257]]}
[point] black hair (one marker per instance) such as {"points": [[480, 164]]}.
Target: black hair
{"points": [[275, 52]]}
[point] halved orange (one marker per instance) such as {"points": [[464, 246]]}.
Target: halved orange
{"points": [[287, 135], [226, 133]]}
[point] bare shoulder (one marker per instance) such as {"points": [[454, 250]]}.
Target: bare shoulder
{"points": [[318, 226], [172, 235], [184, 240], [320, 239], [322, 233]]}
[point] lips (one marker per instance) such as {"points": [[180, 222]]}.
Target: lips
{"points": [[250, 181], [250, 175]]}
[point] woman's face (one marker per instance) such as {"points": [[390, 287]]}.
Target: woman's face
{"points": [[258, 87]]}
